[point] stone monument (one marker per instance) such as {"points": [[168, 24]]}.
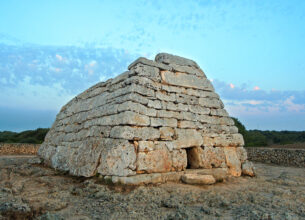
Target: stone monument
{"points": [[158, 118]]}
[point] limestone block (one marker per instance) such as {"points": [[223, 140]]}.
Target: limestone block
{"points": [[61, 158], [46, 151], [167, 133], [198, 179], [207, 157], [131, 88], [179, 159], [187, 99], [224, 140], [242, 154], [145, 61], [188, 116], [199, 109], [187, 138], [248, 168], [174, 89], [219, 112], [171, 106], [118, 157], [172, 59], [219, 174], [134, 133], [225, 121], [136, 107], [200, 93], [138, 179], [186, 80], [124, 118], [83, 161], [162, 95], [182, 107], [187, 69], [210, 103], [146, 146], [232, 161], [141, 80], [164, 122], [147, 71], [132, 97], [121, 77], [154, 104], [168, 114], [154, 161], [188, 124]]}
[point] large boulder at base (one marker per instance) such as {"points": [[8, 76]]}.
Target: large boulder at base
{"points": [[159, 116]]}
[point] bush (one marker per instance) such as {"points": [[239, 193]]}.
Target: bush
{"points": [[31, 136]]}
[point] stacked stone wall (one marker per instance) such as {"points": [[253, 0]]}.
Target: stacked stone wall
{"points": [[279, 156], [18, 148], [143, 121]]}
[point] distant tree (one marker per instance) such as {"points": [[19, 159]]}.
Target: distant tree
{"points": [[31, 136]]}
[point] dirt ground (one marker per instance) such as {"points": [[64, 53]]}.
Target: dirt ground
{"points": [[32, 191]]}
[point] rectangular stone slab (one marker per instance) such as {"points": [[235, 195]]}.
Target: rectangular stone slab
{"points": [[186, 80]]}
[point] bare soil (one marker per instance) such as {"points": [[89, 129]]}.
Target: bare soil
{"points": [[32, 191]]}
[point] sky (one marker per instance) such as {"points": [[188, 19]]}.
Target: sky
{"points": [[252, 51]]}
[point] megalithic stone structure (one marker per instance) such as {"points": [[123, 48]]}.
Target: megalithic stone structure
{"points": [[159, 116]]}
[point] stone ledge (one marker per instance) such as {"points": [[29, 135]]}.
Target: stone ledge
{"points": [[218, 173]]}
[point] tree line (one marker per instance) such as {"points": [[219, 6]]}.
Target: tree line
{"points": [[257, 138], [253, 138]]}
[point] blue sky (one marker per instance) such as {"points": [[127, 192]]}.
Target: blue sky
{"points": [[253, 51]]}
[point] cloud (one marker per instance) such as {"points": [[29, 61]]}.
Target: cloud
{"points": [[256, 106], [291, 106], [58, 57], [256, 88]]}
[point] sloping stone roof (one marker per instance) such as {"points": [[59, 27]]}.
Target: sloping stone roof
{"points": [[159, 116]]}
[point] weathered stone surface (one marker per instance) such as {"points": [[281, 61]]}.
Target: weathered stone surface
{"points": [[157, 117], [161, 95], [187, 138], [124, 118], [224, 140], [247, 168], [138, 179], [185, 80], [145, 61], [179, 159], [242, 154], [167, 133], [134, 133], [207, 157], [118, 157], [187, 69], [146, 146], [148, 71], [198, 179], [172, 59], [233, 162], [220, 174], [164, 122], [154, 104], [157, 161], [136, 107]]}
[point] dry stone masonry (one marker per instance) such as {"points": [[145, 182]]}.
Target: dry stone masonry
{"points": [[160, 116]]}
